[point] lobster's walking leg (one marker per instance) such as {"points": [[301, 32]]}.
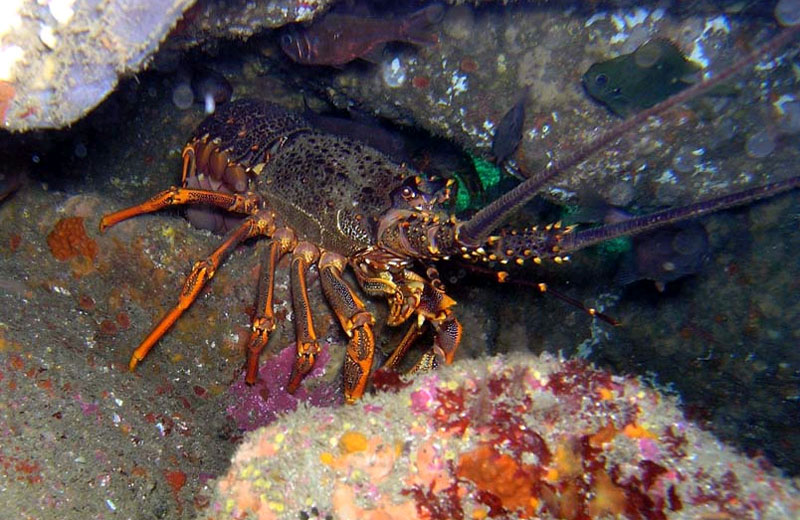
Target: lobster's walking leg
{"points": [[189, 163], [283, 240], [174, 196], [259, 224], [448, 337], [356, 321], [434, 307], [428, 301], [414, 331], [303, 256]]}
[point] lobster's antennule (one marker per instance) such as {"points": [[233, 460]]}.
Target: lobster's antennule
{"points": [[477, 229], [634, 226]]}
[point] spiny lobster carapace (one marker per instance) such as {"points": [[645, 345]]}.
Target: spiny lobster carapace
{"points": [[333, 202]]}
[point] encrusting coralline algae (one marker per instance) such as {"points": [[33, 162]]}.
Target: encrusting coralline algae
{"points": [[506, 437]]}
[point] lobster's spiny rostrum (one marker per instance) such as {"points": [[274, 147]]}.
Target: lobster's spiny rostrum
{"points": [[336, 203]]}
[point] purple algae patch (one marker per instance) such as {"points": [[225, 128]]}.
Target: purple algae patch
{"points": [[254, 406]]}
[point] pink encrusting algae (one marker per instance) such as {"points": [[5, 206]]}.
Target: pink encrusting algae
{"points": [[514, 437], [257, 405]]}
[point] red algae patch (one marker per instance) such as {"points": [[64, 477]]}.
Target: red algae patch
{"points": [[500, 476], [468, 65], [420, 82], [512, 437], [175, 479], [68, 239]]}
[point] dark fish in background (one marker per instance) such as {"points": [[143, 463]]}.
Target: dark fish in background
{"points": [[210, 88], [508, 133], [363, 128], [666, 255], [338, 39], [641, 79]]}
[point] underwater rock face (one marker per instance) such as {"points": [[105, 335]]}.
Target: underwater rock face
{"points": [[520, 436], [462, 89], [58, 63], [71, 55]]}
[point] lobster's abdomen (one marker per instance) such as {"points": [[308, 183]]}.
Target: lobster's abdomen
{"points": [[229, 147]]}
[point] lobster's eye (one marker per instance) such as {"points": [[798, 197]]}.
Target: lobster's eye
{"points": [[600, 80]]}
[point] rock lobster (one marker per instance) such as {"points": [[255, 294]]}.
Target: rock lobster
{"points": [[336, 203]]}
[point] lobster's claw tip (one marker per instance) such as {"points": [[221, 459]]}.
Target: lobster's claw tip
{"points": [[303, 364], [448, 337], [294, 381]]}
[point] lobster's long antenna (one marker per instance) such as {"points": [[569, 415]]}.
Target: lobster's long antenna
{"points": [[478, 228], [634, 226]]}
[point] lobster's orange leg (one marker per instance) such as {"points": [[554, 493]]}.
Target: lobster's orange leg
{"points": [[174, 196], [189, 162], [356, 321], [303, 256], [264, 320], [414, 331], [256, 225], [448, 337]]}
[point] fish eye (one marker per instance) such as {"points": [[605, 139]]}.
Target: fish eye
{"points": [[600, 80], [287, 39]]}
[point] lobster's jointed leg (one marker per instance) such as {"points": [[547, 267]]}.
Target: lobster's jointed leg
{"points": [[303, 256], [283, 241], [429, 303], [414, 331], [356, 321], [259, 224], [189, 163], [447, 338], [247, 204]]}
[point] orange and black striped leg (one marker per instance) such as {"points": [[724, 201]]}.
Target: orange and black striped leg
{"points": [[303, 256], [448, 337], [356, 321], [259, 224], [435, 306], [189, 163], [174, 196], [414, 331], [426, 362], [264, 319], [402, 297]]}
